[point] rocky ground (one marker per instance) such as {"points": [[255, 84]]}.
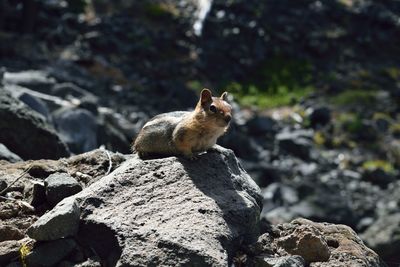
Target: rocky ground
{"points": [[76, 77]]}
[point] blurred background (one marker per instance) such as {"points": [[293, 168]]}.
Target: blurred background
{"points": [[315, 87]]}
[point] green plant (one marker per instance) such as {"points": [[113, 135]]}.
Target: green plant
{"points": [[356, 96], [378, 164]]}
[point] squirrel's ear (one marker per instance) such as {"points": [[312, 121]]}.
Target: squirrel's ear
{"points": [[224, 96], [205, 96]]}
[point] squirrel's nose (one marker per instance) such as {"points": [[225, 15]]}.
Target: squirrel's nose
{"points": [[228, 118]]}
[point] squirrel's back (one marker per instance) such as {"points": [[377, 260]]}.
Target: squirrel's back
{"points": [[156, 134]]}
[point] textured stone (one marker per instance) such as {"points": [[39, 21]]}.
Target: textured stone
{"points": [[8, 232], [319, 244], [62, 221], [26, 133], [59, 186], [171, 211]]}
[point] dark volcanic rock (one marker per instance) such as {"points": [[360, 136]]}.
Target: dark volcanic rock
{"points": [[320, 116], [295, 144], [25, 133], [50, 253], [59, 186], [170, 211], [77, 128]]}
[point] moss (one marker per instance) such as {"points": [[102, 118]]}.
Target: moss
{"points": [[278, 81], [255, 96], [378, 164], [351, 97]]}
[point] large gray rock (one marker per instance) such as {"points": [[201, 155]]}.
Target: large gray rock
{"points": [[60, 186], [171, 212], [62, 221], [26, 133]]}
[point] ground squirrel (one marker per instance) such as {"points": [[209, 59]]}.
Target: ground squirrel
{"points": [[183, 132]]}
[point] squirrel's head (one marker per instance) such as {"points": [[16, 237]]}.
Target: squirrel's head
{"points": [[215, 108]]}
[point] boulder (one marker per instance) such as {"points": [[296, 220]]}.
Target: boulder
{"points": [[169, 211], [26, 133], [78, 128], [62, 221], [319, 244], [59, 186]]}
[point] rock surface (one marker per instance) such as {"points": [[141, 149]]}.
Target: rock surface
{"points": [[57, 223], [169, 211], [60, 186], [319, 244], [26, 133]]}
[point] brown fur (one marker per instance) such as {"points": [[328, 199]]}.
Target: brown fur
{"points": [[186, 133]]}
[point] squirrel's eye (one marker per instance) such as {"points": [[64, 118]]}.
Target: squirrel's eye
{"points": [[213, 109]]}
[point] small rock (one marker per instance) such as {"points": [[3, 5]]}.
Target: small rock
{"points": [[261, 126], [38, 195], [378, 177], [320, 116], [292, 143], [50, 253], [307, 242], [59, 186], [8, 251], [61, 221], [286, 261], [6, 154], [8, 232], [9, 210]]}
